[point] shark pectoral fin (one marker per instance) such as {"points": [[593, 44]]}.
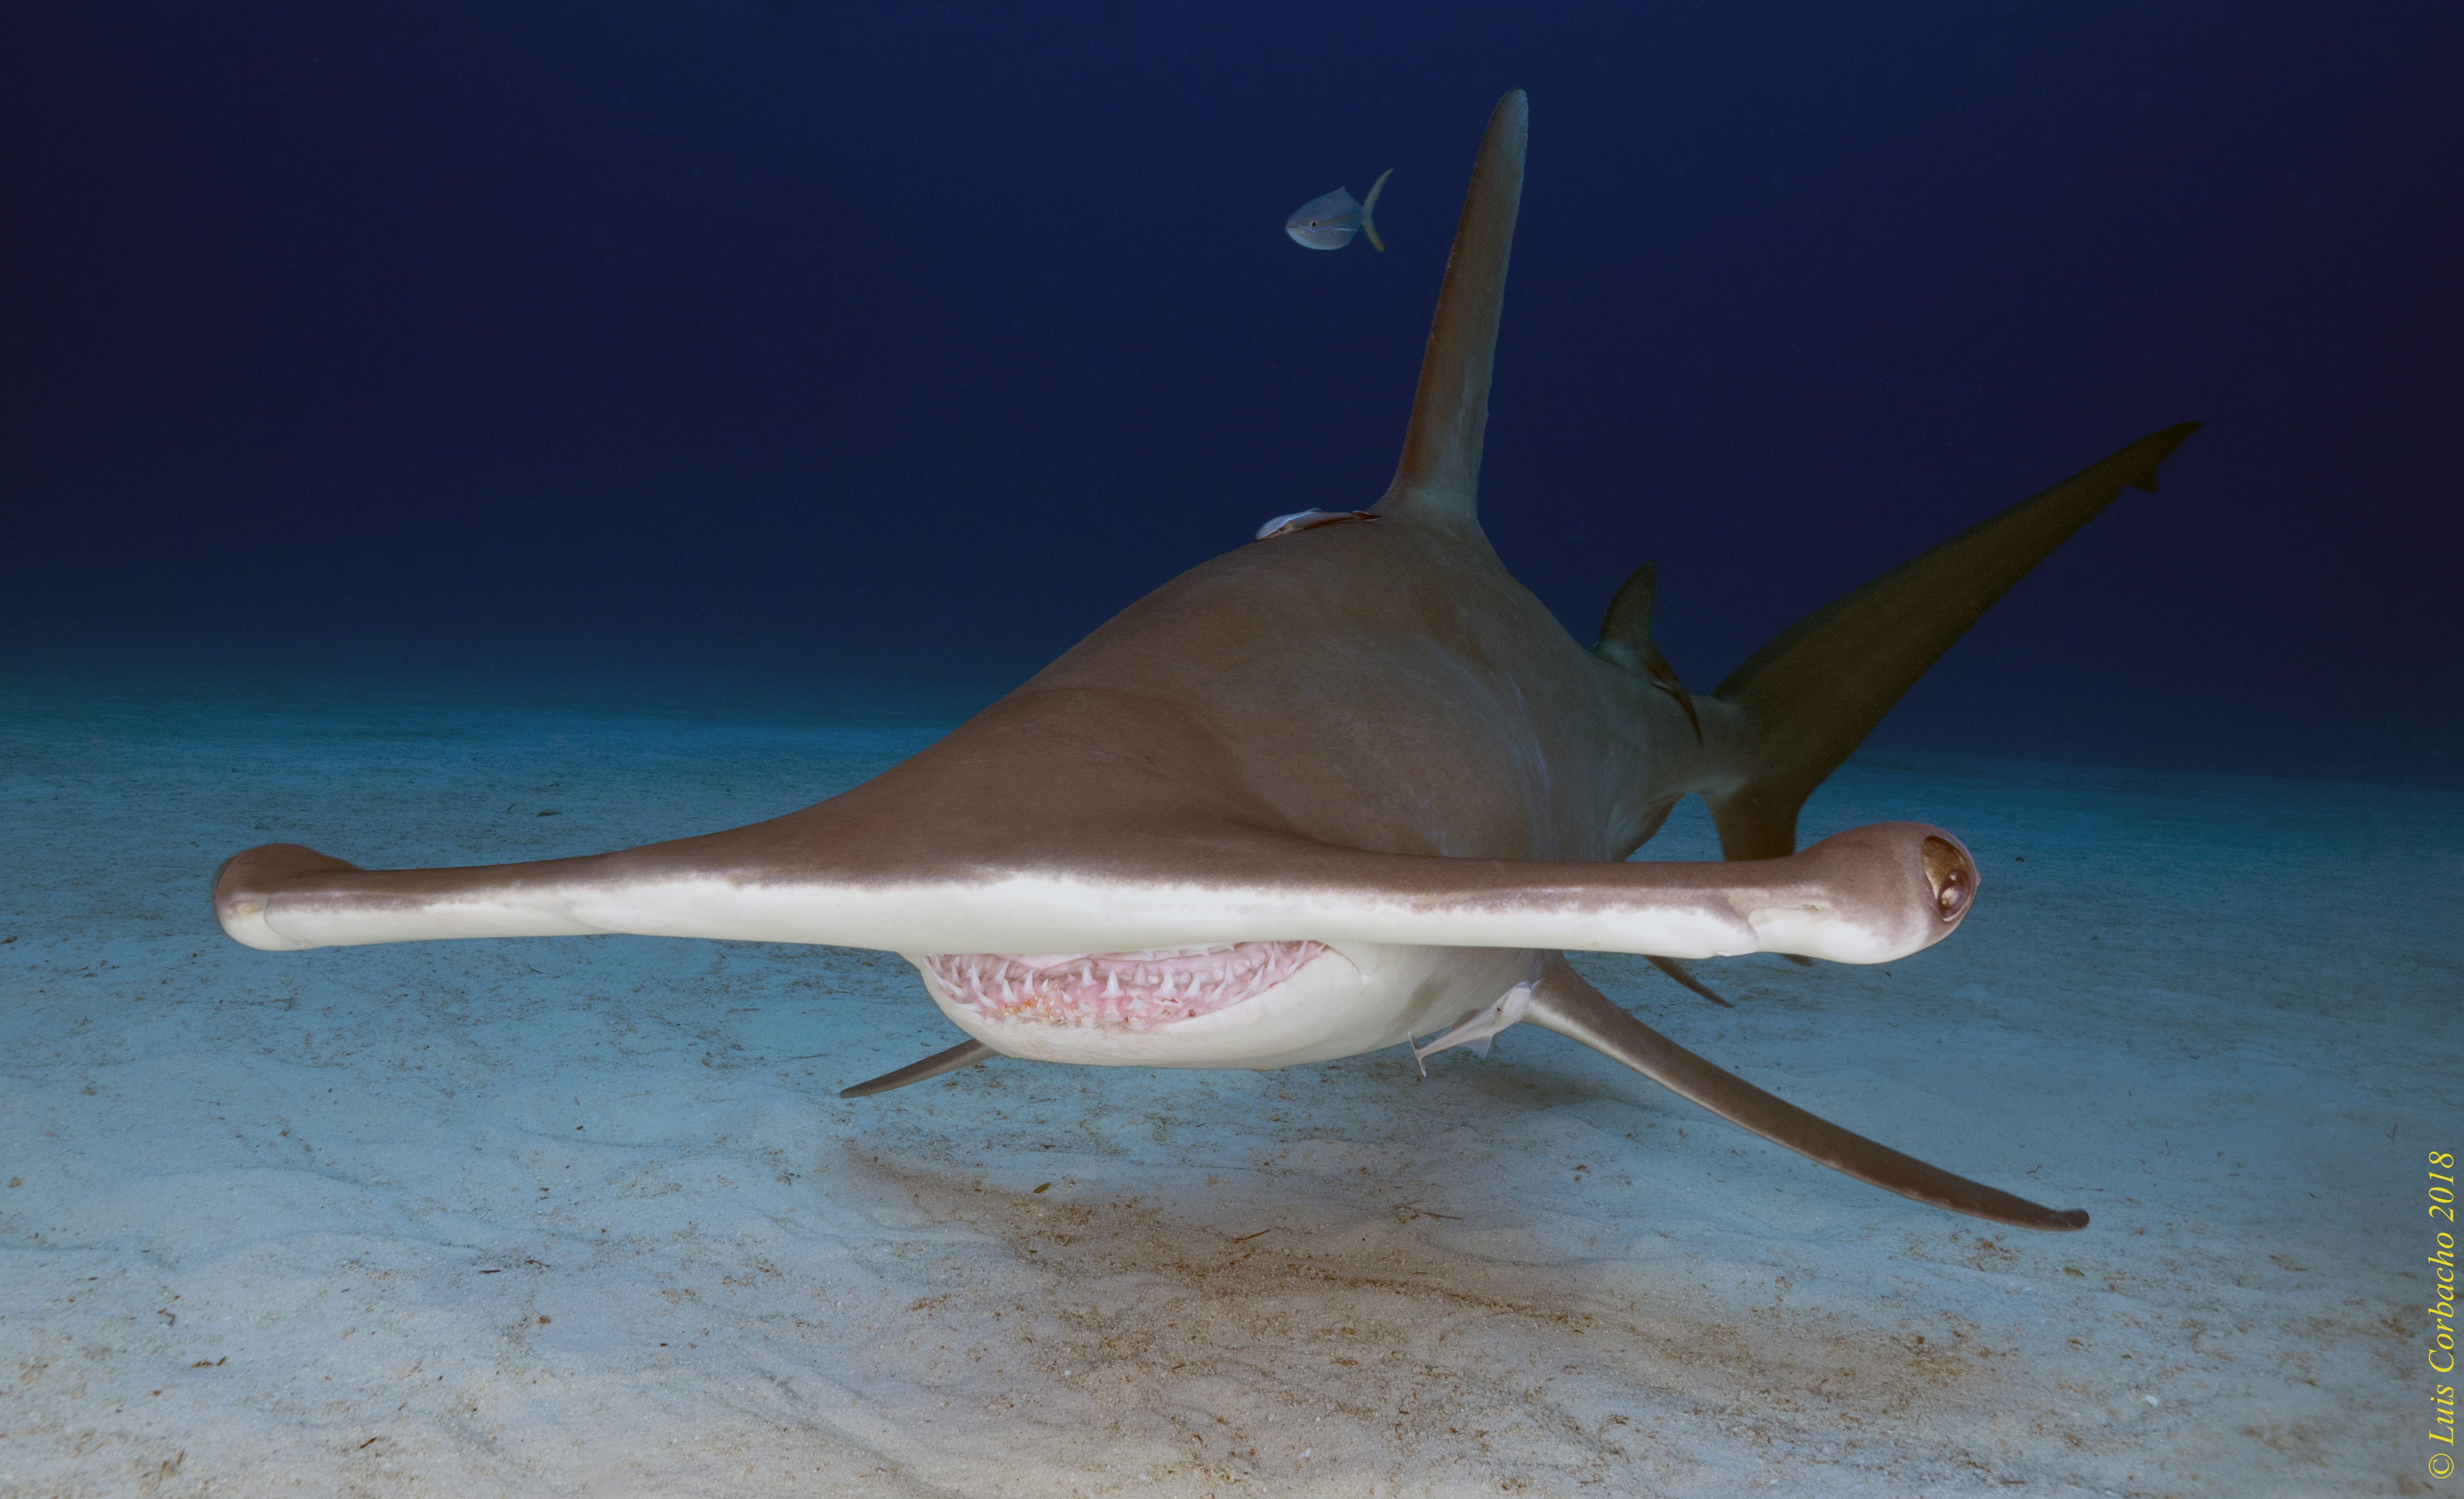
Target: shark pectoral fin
{"points": [[1679, 971], [1478, 1027], [1801, 703], [1565, 1004], [966, 1053]]}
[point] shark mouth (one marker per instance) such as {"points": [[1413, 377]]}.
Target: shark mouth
{"points": [[1129, 991]]}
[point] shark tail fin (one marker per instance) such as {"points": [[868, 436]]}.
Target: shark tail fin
{"points": [[1369, 210], [1438, 479], [1810, 696]]}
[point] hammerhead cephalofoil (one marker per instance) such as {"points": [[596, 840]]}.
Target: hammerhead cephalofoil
{"points": [[1346, 785]]}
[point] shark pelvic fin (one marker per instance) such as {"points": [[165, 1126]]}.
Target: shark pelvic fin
{"points": [[966, 1053], [1565, 1004], [1625, 641], [1806, 700], [1438, 479]]}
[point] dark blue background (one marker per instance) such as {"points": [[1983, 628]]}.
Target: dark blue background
{"points": [[914, 340]]}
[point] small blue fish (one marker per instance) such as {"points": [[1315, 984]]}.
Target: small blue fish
{"points": [[1328, 223]]}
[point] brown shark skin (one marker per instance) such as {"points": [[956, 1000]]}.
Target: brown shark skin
{"points": [[1268, 716]]}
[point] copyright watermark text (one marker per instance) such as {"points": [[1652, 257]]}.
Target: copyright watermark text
{"points": [[2442, 1318]]}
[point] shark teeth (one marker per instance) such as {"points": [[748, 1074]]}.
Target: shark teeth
{"points": [[1130, 991]]}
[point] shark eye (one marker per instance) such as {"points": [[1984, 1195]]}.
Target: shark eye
{"points": [[1953, 875]]}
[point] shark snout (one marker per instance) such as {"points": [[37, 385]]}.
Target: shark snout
{"points": [[247, 884], [1868, 895]]}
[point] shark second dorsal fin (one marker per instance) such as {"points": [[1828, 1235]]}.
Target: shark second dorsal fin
{"points": [[1625, 641], [1438, 481]]}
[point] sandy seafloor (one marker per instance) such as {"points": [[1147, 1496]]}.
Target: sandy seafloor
{"points": [[586, 1216]]}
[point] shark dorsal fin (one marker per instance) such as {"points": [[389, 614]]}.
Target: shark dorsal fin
{"points": [[1438, 477]]}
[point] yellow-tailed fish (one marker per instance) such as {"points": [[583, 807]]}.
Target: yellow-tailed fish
{"points": [[1328, 222]]}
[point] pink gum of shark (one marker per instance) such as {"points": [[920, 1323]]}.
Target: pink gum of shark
{"points": [[1130, 991]]}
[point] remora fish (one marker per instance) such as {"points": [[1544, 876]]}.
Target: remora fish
{"points": [[1328, 222], [1332, 790]]}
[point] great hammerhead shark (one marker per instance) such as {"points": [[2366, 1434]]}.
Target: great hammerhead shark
{"points": [[1343, 786]]}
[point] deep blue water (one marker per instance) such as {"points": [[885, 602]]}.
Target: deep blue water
{"points": [[686, 340]]}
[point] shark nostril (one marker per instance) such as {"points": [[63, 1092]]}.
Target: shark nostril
{"points": [[1953, 875]]}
